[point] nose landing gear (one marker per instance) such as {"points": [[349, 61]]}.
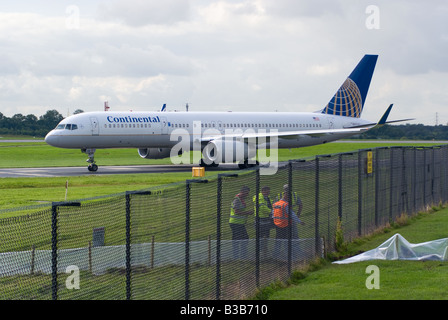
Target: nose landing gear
{"points": [[91, 153]]}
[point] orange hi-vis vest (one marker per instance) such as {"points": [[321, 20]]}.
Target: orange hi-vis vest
{"points": [[280, 214]]}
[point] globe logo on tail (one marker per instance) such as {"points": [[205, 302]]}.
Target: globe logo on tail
{"points": [[346, 102]]}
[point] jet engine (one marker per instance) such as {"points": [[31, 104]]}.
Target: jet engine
{"points": [[154, 153], [228, 151]]}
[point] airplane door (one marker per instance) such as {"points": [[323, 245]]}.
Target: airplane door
{"points": [[220, 127], [164, 125], [95, 126], [330, 123]]}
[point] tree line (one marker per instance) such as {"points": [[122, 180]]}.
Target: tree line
{"points": [[30, 125], [407, 132]]}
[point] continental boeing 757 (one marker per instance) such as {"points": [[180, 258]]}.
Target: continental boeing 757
{"points": [[221, 137]]}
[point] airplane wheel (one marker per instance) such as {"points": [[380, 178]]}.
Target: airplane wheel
{"points": [[92, 167], [205, 165], [243, 165]]}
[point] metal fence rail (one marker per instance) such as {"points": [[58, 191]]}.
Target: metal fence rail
{"points": [[176, 242]]}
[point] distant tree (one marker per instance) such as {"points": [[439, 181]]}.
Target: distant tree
{"points": [[78, 111], [50, 119]]}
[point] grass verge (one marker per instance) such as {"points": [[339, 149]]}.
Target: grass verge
{"points": [[399, 280]]}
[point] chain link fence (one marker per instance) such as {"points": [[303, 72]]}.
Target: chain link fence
{"points": [[179, 241]]}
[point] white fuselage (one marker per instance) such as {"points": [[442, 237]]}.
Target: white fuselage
{"points": [[154, 129]]}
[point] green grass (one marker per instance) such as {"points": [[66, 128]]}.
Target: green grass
{"points": [[403, 280], [38, 154], [337, 283], [18, 192]]}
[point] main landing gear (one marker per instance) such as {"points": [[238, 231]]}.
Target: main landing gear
{"points": [[242, 165], [91, 153], [245, 164]]}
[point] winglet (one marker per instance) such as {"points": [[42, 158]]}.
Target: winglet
{"points": [[383, 119], [163, 107]]}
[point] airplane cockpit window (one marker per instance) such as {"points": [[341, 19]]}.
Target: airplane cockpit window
{"points": [[68, 126]]}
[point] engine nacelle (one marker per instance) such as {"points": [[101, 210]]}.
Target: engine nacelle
{"points": [[154, 153], [228, 151]]}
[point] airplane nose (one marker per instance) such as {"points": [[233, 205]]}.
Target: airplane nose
{"points": [[51, 139]]}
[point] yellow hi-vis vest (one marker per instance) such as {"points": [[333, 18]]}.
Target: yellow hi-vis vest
{"points": [[263, 208], [235, 218], [295, 199]]}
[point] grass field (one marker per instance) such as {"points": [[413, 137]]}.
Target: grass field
{"points": [[402, 280], [17, 192], [38, 154], [399, 280]]}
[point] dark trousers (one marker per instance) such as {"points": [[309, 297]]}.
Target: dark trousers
{"points": [[281, 242], [265, 225], [240, 240]]}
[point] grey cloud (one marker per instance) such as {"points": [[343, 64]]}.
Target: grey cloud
{"points": [[294, 8], [139, 13]]}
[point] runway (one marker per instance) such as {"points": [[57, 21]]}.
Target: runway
{"points": [[103, 170]]}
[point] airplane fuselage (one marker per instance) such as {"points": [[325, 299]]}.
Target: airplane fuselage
{"points": [[154, 129]]}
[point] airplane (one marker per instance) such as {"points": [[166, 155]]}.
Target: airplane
{"points": [[215, 132]]}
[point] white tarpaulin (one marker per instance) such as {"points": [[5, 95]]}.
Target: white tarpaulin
{"points": [[398, 248]]}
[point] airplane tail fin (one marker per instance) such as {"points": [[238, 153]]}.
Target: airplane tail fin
{"points": [[349, 99]]}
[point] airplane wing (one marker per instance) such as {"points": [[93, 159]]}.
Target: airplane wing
{"points": [[297, 133], [282, 134]]}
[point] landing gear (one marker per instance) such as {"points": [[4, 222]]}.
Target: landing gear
{"points": [[92, 167], [245, 164], [205, 165], [242, 165], [91, 153]]}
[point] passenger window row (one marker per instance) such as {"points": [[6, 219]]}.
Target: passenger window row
{"points": [[125, 125], [262, 125]]}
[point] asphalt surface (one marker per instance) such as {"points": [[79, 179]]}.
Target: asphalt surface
{"points": [[103, 170]]}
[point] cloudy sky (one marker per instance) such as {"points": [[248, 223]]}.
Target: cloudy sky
{"points": [[240, 55]]}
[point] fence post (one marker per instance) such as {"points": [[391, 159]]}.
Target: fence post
{"points": [[316, 209], [340, 187], [414, 181], [128, 238], [218, 232], [290, 226], [128, 245], [359, 192], [257, 228], [432, 175], [376, 172], [54, 244], [187, 235], [391, 184], [33, 253]]}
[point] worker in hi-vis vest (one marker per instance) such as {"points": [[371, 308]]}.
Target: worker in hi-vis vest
{"points": [[264, 216], [283, 215], [238, 217], [296, 202]]}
